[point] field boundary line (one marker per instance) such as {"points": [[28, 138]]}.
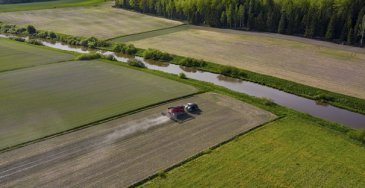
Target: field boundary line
{"points": [[144, 32], [33, 66], [206, 151], [98, 122]]}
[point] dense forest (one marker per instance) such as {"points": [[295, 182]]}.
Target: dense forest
{"points": [[20, 1], [341, 21]]}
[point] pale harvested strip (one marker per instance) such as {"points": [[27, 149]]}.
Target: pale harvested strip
{"points": [[15, 55], [36, 102], [127, 150], [101, 21], [319, 64]]}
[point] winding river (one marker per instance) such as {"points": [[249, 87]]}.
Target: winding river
{"points": [[327, 112]]}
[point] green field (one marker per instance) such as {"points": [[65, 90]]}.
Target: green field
{"points": [[40, 101], [291, 152], [15, 55], [100, 21], [47, 5]]}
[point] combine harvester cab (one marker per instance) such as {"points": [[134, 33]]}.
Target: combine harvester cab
{"points": [[192, 108]]}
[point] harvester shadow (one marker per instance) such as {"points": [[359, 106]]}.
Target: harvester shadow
{"points": [[188, 116]]}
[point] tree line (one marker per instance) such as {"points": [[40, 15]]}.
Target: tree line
{"points": [[332, 20]]}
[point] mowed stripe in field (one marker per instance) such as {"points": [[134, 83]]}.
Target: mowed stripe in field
{"points": [[101, 21], [124, 151], [15, 55], [149, 34], [36, 102], [319, 64]]}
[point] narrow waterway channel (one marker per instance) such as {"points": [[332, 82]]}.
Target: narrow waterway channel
{"points": [[327, 112]]}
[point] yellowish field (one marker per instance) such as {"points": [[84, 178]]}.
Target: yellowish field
{"points": [[101, 21], [320, 64]]}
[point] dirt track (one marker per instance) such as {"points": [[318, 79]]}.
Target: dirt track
{"points": [[127, 150]]}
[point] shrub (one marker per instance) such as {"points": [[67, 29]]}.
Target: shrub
{"points": [[129, 49], [136, 63], [52, 35], [156, 55], [35, 42], [88, 56], [31, 30], [232, 72], [190, 62], [19, 39], [182, 75], [119, 47], [8, 29], [21, 30], [90, 42], [102, 43], [42, 34], [324, 98]]}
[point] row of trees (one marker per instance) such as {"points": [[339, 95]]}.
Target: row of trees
{"points": [[339, 21]]}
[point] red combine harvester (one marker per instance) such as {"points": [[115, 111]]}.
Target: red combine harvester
{"points": [[179, 113], [176, 113]]}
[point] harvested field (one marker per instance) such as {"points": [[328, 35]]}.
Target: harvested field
{"points": [[100, 21], [15, 55], [319, 64], [122, 152], [44, 100]]}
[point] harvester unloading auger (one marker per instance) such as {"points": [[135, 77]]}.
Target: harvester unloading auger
{"points": [[181, 113]]}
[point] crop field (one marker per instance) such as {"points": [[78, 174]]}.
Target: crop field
{"points": [[47, 4], [100, 21], [124, 151], [15, 55], [290, 152], [43, 100], [324, 65]]}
